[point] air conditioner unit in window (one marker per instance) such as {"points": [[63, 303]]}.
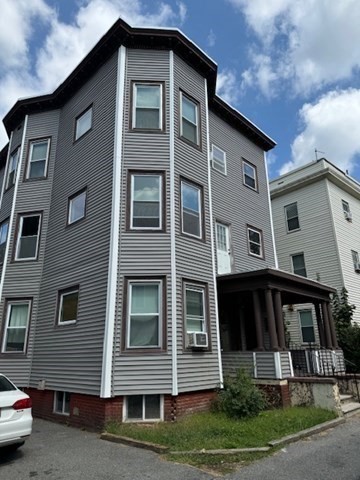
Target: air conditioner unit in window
{"points": [[348, 216], [357, 267], [197, 339]]}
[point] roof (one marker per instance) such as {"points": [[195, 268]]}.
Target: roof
{"points": [[147, 38]]}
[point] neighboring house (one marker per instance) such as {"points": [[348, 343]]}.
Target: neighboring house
{"points": [[316, 214], [125, 193]]}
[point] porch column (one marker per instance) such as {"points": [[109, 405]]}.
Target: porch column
{"points": [[271, 320], [326, 324], [258, 321], [332, 326], [320, 325], [279, 320]]}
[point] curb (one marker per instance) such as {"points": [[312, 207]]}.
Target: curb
{"points": [[306, 433], [134, 443], [226, 451]]}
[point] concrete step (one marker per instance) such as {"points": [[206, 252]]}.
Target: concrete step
{"points": [[346, 398], [350, 408]]}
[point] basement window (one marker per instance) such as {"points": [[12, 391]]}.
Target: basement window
{"points": [[62, 403], [143, 408]]}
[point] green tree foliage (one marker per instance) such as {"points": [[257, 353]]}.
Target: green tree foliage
{"points": [[240, 398], [348, 333]]}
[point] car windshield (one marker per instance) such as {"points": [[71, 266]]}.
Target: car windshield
{"points": [[5, 385]]}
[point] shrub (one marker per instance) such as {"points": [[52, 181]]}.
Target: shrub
{"points": [[240, 397]]}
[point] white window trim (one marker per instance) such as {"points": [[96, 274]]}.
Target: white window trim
{"points": [[77, 136], [244, 162], [160, 313], [215, 163], [14, 154], [71, 199], [61, 299], [301, 327], [259, 232], [188, 286], [67, 414], [287, 218], [195, 124], [19, 237], [160, 227], [8, 310], [32, 143], [130, 420], [161, 111], [200, 192]]}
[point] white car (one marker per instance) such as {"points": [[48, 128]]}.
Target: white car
{"points": [[15, 415]]}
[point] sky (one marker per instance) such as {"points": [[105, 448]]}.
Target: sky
{"points": [[291, 66]]}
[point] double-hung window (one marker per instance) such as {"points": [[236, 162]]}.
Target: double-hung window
{"points": [[218, 157], [12, 166], [144, 314], [38, 158], [355, 259], [307, 326], [292, 217], [195, 319], [191, 209], [16, 326], [147, 111], [249, 175], [189, 124], [4, 227], [77, 207], [146, 201], [28, 235], [255, 242], [298, 264], [346, 210], [83, 123], [68, 302]]}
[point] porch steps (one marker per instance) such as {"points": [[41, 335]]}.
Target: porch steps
{"points": [[348, 405]]}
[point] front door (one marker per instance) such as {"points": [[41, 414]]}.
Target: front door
{"points": [[223, 248]]}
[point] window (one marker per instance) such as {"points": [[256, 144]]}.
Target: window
{"points": [[355, 259], [189, 126], [28, 237], [143, 407], [218, 157], [77, 207], [4, 227], [62, 403], [346, 210], [255, 242], [298, 263], [147, 106], [144, 314], [249, 175], [307, 326], [195, 319], [292, 217], [191, 209], [11, 174], [83, 123], [146, 200], [16, 326], [68, 306], [38, 158]]}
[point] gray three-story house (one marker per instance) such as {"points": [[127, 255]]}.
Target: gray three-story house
{"points": [[134, 214]]}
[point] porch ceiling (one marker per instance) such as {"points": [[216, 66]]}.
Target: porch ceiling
{"points": [[293, 288]]}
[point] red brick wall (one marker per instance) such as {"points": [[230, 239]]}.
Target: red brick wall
{"points": [[186, 403]]}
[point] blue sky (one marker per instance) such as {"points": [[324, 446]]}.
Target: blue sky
{"points": [[291, 66]]}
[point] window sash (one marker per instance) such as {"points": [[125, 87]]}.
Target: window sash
{"points": [[4, 227], [355, 258], [77, 207], [307, 326], [16, 333], [345, 206], [27, 242], [195, 321], [298, 263], [292, 219], [218, 159], [249, 175], [62, 403], [13, 162], [34, 163], [255, 242], [151, 218], [189, 126], [143, 407], [64, 309], [83, 123], [191, 214], [152, 113], [143, 325]]}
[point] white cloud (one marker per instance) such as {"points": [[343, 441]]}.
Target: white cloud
{"points": [[26, 72], [211, 38], [228, 87], [312, 43], [331, 125]]}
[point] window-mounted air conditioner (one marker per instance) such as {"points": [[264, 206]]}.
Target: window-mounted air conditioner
{"points": [[348, 216], [197, 339]]}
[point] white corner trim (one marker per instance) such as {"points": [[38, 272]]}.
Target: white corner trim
{"points": [[6, 170], [212, 239], [255, 365], [270, 212], [172, 227], [277, 362], [12, 214], [291, 365], [108, 346]]}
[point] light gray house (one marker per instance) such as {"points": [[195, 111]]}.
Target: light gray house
{"points": [[130, 196]]}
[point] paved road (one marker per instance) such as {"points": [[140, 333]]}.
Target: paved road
{"points": [[55, 452]]}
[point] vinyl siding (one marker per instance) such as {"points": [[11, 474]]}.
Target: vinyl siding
{"points": [[69, 357], [236, 204]]}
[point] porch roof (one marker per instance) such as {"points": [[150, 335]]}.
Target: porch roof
{"points": [[293, 288]]}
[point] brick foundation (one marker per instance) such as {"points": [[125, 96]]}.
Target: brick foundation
{"points": [[277, 395]]}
